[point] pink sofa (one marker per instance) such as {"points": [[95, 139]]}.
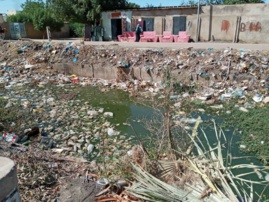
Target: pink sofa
{"points": [[149, 36], [166, 37], [182, 37], [127, 36]]}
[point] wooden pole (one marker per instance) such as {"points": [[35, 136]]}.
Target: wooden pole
{"points": [[198, 22]]}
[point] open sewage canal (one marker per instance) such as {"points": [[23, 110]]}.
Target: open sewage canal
{"points": [[53, 108], [105, 121]]}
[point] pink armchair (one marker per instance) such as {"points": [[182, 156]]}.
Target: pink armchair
{"points": [[182, 37], [149, 36], [166, 37], [127, 36]]}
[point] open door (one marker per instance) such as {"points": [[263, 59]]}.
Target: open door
{"points": [[116, 28]]}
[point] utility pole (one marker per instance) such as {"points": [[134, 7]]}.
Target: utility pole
{"points": [[198, 22]]}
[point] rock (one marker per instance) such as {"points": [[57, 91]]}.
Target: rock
{"points": [[108, 114]]}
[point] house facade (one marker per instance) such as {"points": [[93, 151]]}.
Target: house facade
{"points": [[247, 23]]}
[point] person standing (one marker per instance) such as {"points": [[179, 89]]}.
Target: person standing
{"points": [[138, 31]]}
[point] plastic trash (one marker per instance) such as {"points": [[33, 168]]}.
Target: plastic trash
{"points": [[112, 132], [238, 93], [53, 165], [92, 113], [108, 114], [90, 148], [75, 80], [102, 183], [28, 66], [174, 97], [47, 142], [76, 51], [266, 177], [130, 152], [243, 109], [75, 60], [8, 137], [258, 98], [242, 146]]}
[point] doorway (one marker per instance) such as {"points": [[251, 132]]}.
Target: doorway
{"points": [[179, 24], [116, 28]]}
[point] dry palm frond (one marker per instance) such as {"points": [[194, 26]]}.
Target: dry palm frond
{"points": [[217, 181], [152, 189]]}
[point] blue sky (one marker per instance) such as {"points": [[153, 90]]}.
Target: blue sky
{"points": [[16, 4]]}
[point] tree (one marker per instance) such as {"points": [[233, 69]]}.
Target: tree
{"points": [[38, 13], [87, 11]]}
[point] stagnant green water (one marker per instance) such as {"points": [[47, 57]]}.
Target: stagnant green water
{"points": [[126, 109], [130, 110]]}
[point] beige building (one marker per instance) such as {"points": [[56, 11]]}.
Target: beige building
{"points": [[244, 23], [12, 12]]}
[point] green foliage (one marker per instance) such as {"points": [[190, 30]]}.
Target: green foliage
{"points": [[38, 13], [255, 126], [43, 18], [19, 17], [86, 11], [77, 29]]}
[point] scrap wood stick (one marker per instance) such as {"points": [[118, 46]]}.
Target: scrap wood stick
{"points": [[228, 70]]}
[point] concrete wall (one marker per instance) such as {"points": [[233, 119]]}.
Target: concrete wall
{"points": [[34, 34], [217, 23], [6, 25], [220, 23], [8, 181]]}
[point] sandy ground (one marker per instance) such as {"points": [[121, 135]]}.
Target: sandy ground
{"points": [[200, 45]]}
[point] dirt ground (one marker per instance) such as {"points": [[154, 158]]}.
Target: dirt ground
{"points": [[200, 45], [47, 176], [78, 190]]}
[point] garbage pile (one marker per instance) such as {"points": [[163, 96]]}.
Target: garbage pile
{"points": [[214, 74], [51, 116]]}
